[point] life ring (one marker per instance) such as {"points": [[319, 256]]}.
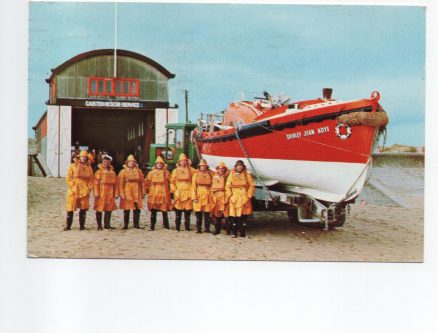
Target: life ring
{"points": [[343, 131]]}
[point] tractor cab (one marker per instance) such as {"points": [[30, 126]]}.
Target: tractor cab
{"points": [[177, 141]]}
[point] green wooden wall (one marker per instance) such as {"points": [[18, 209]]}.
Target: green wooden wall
{"points": [[72, 81]]}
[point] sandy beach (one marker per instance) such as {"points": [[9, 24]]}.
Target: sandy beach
{"points": [[371, 233]]}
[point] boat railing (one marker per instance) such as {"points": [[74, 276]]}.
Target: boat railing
{"points": [[210, 122]]}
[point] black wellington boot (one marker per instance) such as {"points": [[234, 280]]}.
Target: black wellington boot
{"points": [[126, 219], [178, 214], [234, 227], [69, 221], [99, 220], [198, 222], [243, 227], [82, 217], [137, 219], [107, 221], [165, 220], [230, 222], [187, 219], [217, 225], [207, 221], [153, 219]]}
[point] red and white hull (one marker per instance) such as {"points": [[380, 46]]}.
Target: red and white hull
{"points": [[320, 180], [304, 152]]}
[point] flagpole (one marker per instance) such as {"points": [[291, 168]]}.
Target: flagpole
{"points": [[115, 39]]}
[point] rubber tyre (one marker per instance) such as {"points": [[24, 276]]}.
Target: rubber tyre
{"points": [[292, 214]]}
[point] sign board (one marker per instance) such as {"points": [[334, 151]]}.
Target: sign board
{"points": [[113, 104]]}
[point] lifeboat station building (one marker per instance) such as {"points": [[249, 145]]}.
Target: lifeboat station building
{"points": [[91, 108]]}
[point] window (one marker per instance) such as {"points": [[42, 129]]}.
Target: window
{"points": [[109, 87], [176, 137], [171, 136], [118, 87], [179, 138], [100, 86], [94, 86]]}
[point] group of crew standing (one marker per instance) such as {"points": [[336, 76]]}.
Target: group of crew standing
{"points": [[220, 196]]}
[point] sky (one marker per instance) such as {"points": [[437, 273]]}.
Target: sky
{"points": [[219, 50]]}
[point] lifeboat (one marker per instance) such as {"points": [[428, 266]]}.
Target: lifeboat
{"points": [[319, 148]]}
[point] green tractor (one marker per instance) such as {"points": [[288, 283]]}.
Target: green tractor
{"points": [[177, 142]]}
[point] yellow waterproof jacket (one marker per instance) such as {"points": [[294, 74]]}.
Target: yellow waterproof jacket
{"points": [[131, 188], [201, 191], [158, 191], [180, 186], [239, 190], [79, 181], [106, 189], [219, 201]]}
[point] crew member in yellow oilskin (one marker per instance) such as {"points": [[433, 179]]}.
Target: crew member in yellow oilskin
{"points": [[79, 180], [219, 209], [131, 189], [106, 190], [239, 189], [180, 186], [201, 195], [158, 191]]}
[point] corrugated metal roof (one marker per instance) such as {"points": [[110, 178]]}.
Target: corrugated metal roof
{"points": [[101, 52]]}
